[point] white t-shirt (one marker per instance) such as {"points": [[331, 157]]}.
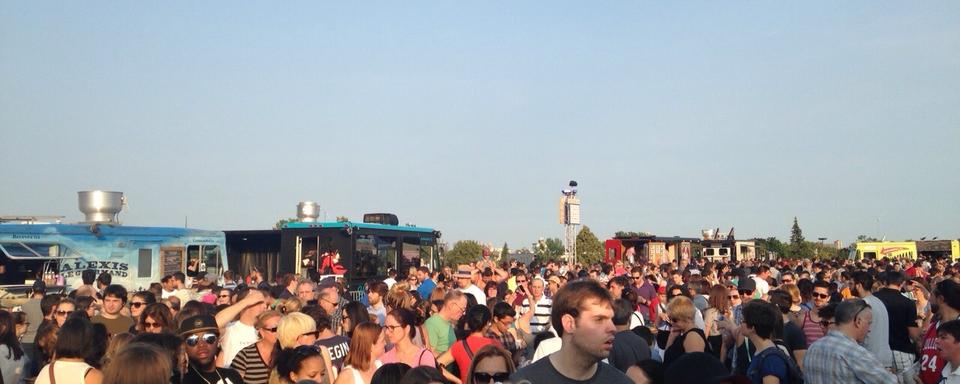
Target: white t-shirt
{"points": [[236, 336], [389, 282], [762, 286], [477, 293]]}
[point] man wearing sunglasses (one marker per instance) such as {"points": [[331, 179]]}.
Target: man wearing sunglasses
{"points": [[200, 337]]}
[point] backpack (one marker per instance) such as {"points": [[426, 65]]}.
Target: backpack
{"points": [[793, 371]]}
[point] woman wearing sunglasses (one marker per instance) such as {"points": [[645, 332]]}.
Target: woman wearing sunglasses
{"points": [[491, 364], [155, 318], [255, 361]]}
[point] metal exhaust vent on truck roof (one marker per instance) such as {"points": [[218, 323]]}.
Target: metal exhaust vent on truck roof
{"points": [[308, 212], [101, 206]]}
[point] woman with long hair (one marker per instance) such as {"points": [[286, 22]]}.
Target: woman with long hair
{"points": [[255, 361], [64, 309], [491, 364], [138, 363], [473, 327], [400, 329], [116, 343], [718, 309], [354, 313], [155, 318], [366, 346], [12, 359], [69, 366]]}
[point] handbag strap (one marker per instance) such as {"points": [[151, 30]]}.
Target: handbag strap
{"points": [[466, 347], [53, 379]]}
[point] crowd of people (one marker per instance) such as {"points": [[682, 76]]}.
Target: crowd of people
{"points": [[787, 321]]}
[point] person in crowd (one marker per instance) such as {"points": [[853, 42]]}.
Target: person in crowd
{"points": [[224, 296], [139, 301], [152, 364], [290, 305], [88, 277], [307, 292], [87, 304], [114, 299], [20, 325], [73, 341], [400, 329], [390, 373], [173, 347], [945, 305], [424, 375], [948, 342], [116, 343], [240, 333], [492, 290], [646, 291], [628, 347], [65, 308], [201, 335], [465, 277], [473, 327], [812, 329], [535, 309], [838, 357], [684, 337], [376, 292], [902, 325], [718, 309], [366, 346], [155, 318], [354, 313], [502, 330], [878, 339], [333, 303], [289, 284], [617, 286], [700, 368], [13, 361], [391, 278], [336, 345], [582, 312], [491, 364], [770, 365], [305, 362], [792, 335], [426, 283], [439, 326], [255, 361]]}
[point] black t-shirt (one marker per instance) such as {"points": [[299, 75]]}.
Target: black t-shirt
{"points": [[628, 349], [221, 376], [543, 372], [675, 350], [902, 314], [793, 338], [338, 347]]}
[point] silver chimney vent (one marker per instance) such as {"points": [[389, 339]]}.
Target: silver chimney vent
{"points": [[308, 211], [101, 206]]}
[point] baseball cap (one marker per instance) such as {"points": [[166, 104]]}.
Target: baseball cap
{"points": [[746, 284], [198, 323]]}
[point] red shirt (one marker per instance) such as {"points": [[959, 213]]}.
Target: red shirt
{"points": [[930, 362], [461, 356]]}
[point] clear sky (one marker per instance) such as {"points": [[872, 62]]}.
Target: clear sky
{"points": [[470, 117]]}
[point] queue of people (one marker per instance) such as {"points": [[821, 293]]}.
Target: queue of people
{"points": [[789, 321]]}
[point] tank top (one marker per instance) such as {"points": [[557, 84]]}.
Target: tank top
{"points": [[930, 362], [357, 378], [675, 350], [64, 372], [812, 331]]}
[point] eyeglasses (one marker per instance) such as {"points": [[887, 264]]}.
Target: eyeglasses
{"points": [[149, 325], [64, 313], [732, 297], [208, 338], [821, 295], [137, 304], [392, 327], [496, 377]]}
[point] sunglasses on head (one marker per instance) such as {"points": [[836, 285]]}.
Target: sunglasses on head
{"points": [[208, 338], [497, 377]]}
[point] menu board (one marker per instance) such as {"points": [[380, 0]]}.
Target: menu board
{"points": [[171, 260]]}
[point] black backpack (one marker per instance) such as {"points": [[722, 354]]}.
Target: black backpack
{"points": [[793, 371]]}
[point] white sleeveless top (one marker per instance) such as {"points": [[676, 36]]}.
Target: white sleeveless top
{"points": [[65, 372], [357, 379]]}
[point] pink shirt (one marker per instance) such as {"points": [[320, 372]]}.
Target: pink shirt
{"points": [[424, 358]]}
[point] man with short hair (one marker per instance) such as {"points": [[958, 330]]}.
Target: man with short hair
{"points": [[426, 283], [646, 292], [34, 309], [88, 277], [628, 347], [307, 292], [838, 357], [582, 313], [103, 281], [114, 298], [945, 303], [760, 318], [536, 308], [903, 327], [332, 303], [200, 335], [289, 284], [878, 339], [376, 292], [391, 278], [239, 333], [440, 325]]}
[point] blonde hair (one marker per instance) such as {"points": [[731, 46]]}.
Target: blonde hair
{"points": [[266, 315], [292, 326], [290, 305], [681, 307], [794, 292]]}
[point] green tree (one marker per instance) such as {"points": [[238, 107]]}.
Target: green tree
{"points": [[865, 238], [548, 249], [799, 248], [589, 249], [280, 223], [463, 252], [504, 252], [771, 248]]}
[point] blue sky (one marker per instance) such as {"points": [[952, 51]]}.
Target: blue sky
{"points": [[471, 116]]}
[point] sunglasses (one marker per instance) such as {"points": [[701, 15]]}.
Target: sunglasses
{"points": [[149, 325], [314, 334], [732, 297], [484, 377], [272, 330], [137, 304], [745, 291], [821, 295], [208, 338], [64, 313], [224, 296], [637, 277]]}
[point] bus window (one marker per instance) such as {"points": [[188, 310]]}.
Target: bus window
{"points": [[410, 257], [428, 253], [373, 255]]}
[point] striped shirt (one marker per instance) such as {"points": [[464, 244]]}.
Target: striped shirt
{"points": [[836, 358], [540, 322], [250, 365]]}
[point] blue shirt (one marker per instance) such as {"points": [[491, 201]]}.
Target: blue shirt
{"points": [[768, 366], [426, 288]]}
